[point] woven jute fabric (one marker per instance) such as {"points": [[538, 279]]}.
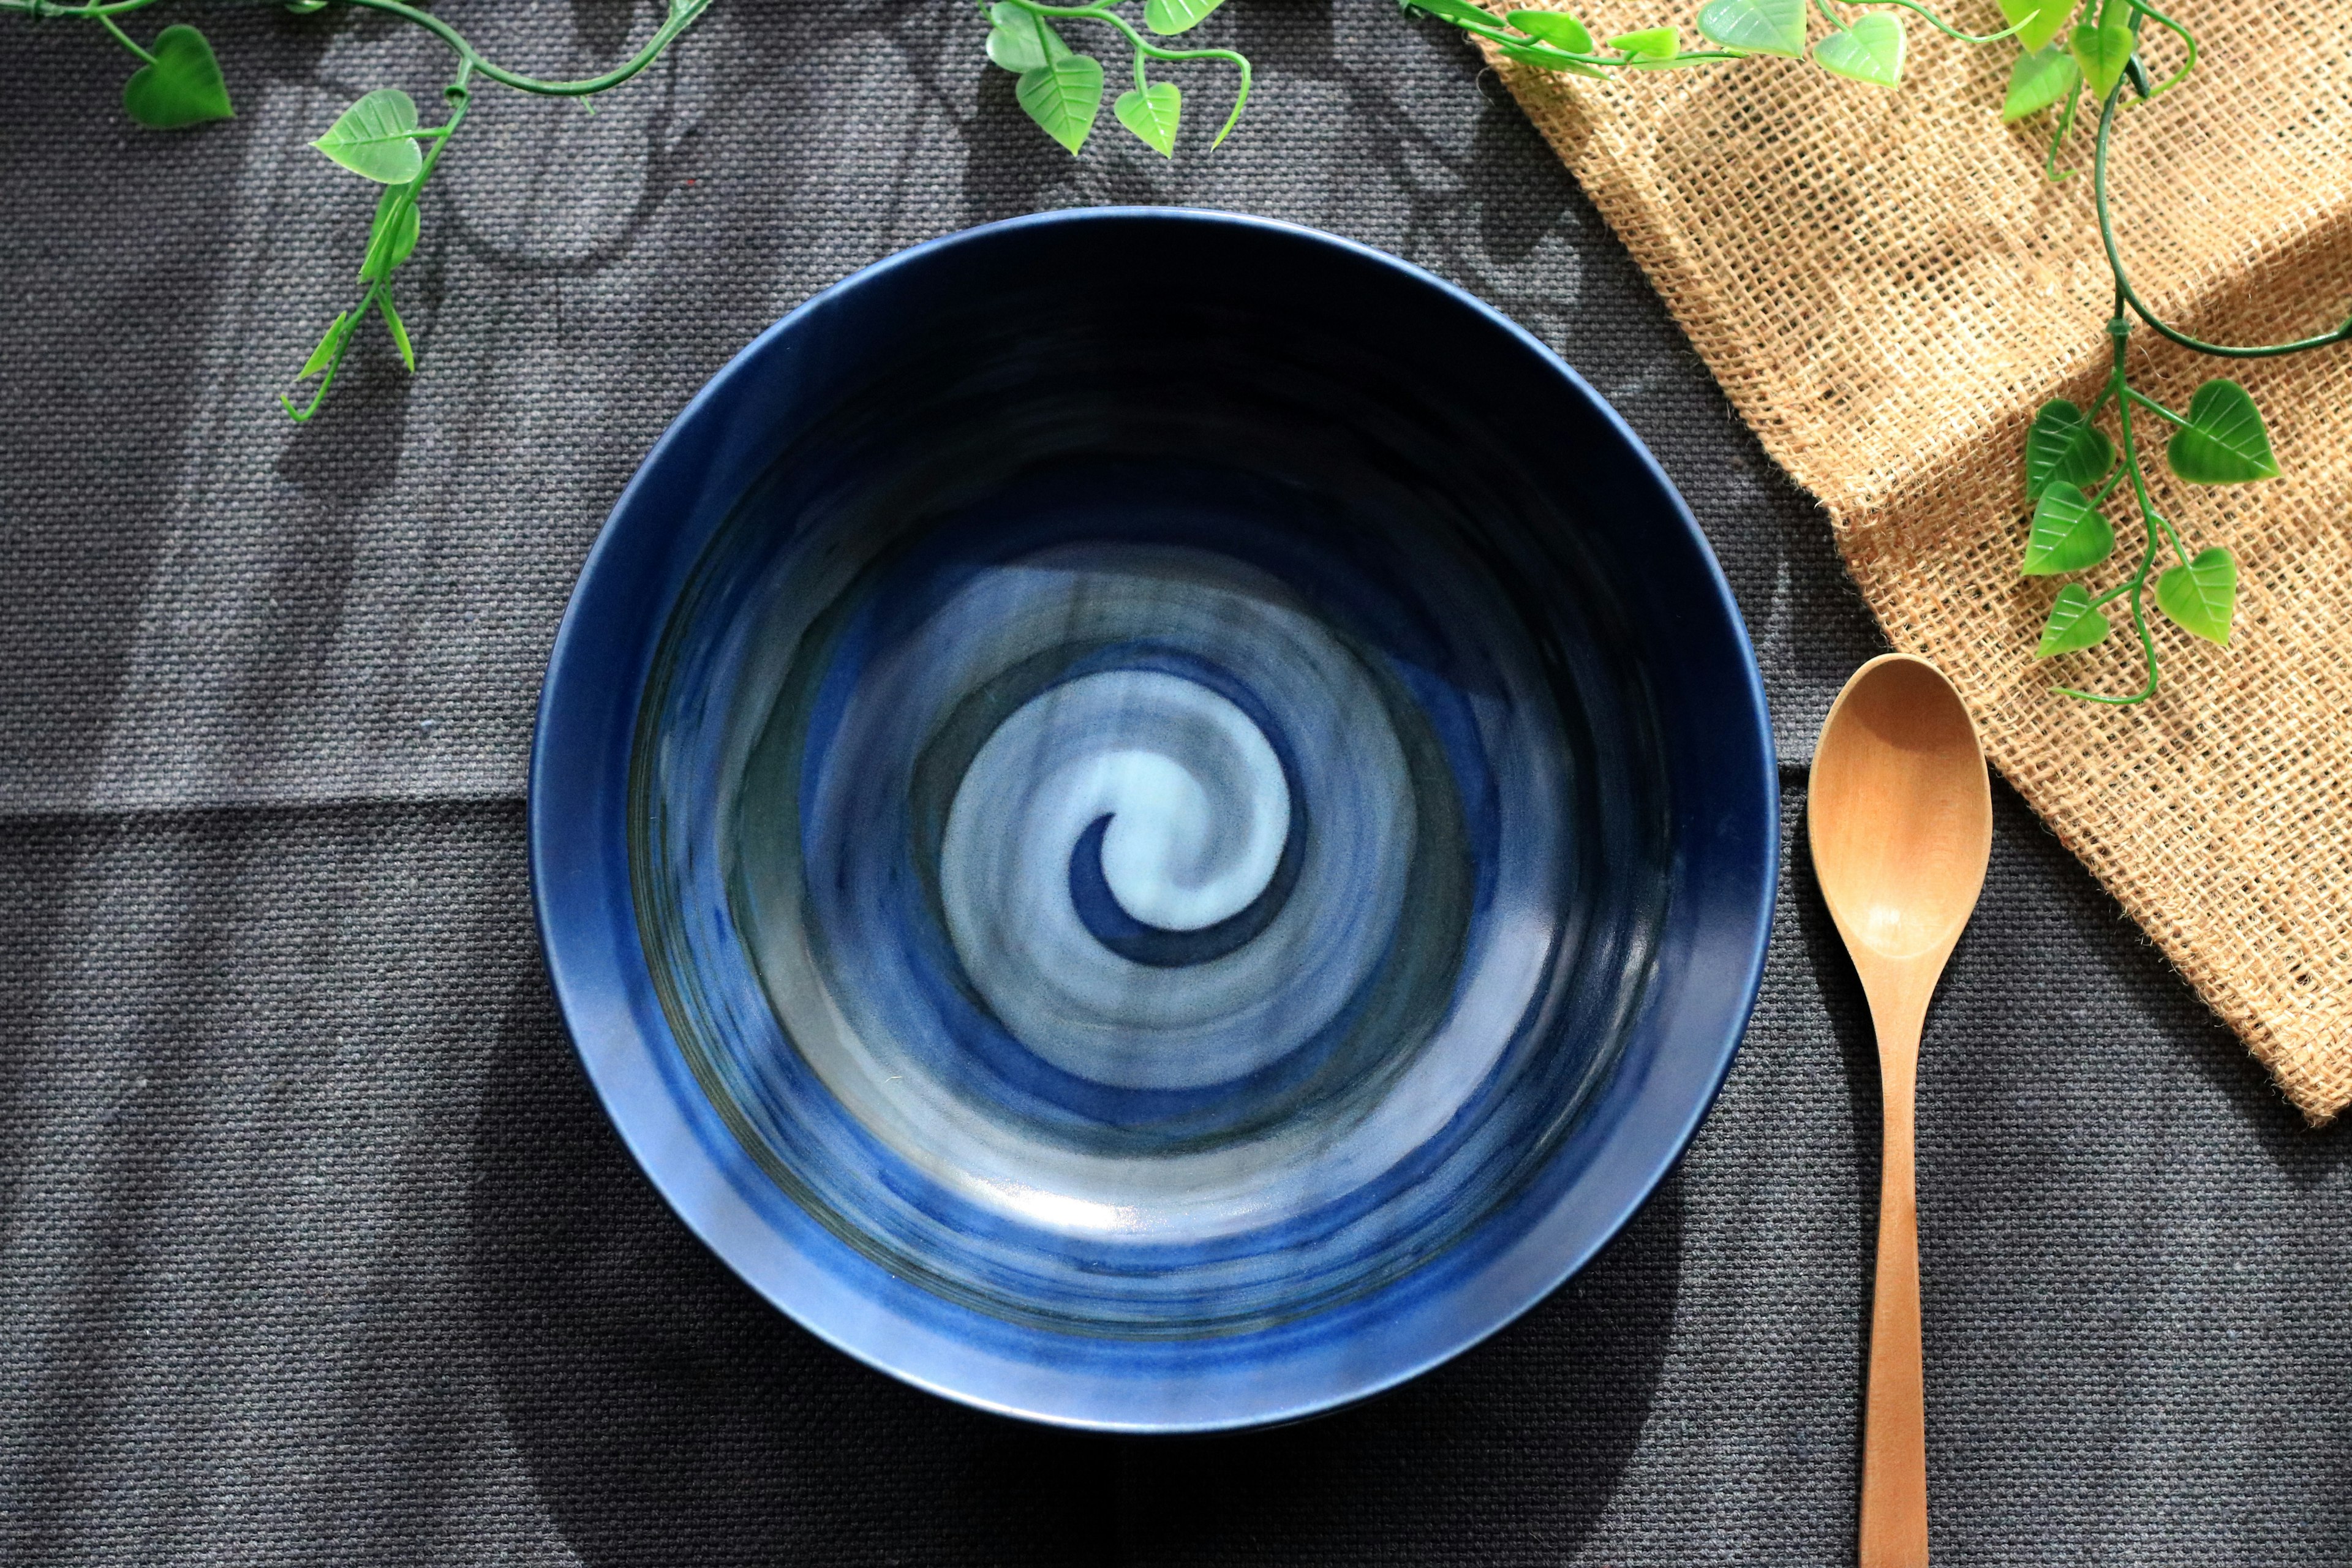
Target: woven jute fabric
{"points": [[1887, 288]]}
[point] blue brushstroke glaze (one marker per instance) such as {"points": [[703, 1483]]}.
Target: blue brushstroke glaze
{"points": [[1153, 902]]}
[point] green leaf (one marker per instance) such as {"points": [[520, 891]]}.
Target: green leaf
{"points": [[1869, 50], [2038, 81], [394, 236], [1459, 11], [2201, 596], [183, 86], [2068, 533], [399, 329], [1170, 18], [1549, 59], [1023, 40], [1553, 27], [1064, 97], [2103, 52], [1151, 114], [324, 354], [376, 138], [2065, 446], [2225, 443], [2073, 624], [304, 7], [1761, 26], [1663, 43], [2049, 20]]}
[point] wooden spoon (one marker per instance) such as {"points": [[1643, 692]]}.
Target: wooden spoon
{"points": [[1900, 816]]}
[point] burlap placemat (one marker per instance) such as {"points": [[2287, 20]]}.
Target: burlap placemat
{"points": [[1887, 288]]}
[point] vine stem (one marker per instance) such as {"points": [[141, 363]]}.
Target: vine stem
{"points": [[682, 14], [2049, 168], [2119, 387], [2147, 648], [38, 9], [460, 96], [2130, 297], [1951, 32], [2150, 518], [2187, 39], [125, 39], [1537, 52]]}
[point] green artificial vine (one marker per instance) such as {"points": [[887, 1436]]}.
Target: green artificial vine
{"points": [[2067, 50], [379, 138], [2071, 52], [1062, 89]]}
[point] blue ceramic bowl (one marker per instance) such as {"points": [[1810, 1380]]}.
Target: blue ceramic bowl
{"points": [[1152, 820]]}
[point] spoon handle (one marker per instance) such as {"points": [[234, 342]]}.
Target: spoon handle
{"points": [[1894, 1442]]}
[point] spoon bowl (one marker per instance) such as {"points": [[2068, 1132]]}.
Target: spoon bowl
{"points": [[1900, 816], [1900, 813]]}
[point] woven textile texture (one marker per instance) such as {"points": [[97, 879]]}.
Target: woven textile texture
{"points": [[315, 1246], [1887, 288]]}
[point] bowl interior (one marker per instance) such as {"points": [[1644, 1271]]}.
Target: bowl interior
{"points": [[1168, 854]]}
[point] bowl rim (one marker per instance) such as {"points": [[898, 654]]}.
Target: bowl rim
{"points": [[588, 961]]}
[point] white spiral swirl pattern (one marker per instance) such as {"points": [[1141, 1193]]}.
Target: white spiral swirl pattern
{"points": [[1198, 814]]}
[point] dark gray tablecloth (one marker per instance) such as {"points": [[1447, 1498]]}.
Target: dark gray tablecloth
{"points": [[314, 1246]]}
